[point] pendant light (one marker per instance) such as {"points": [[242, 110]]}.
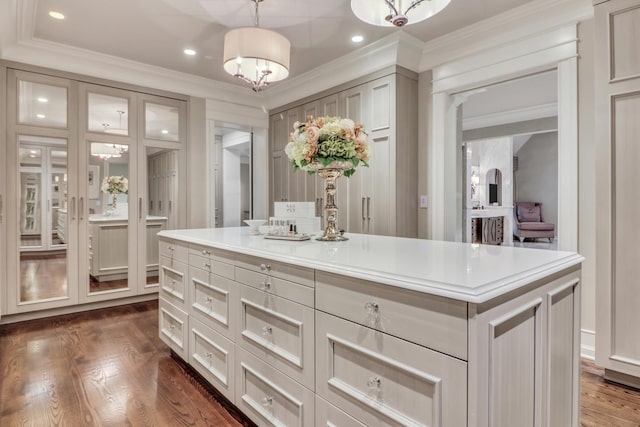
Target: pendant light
{"points": [[387, 13], [256, 55]]}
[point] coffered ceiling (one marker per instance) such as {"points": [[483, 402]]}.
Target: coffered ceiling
{"points": [[156, 32]]}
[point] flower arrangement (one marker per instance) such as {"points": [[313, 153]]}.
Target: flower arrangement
{"points": [[319, 142], [115, 185]]}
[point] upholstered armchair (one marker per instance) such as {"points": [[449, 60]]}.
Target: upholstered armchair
{"points": [[528, 222]]}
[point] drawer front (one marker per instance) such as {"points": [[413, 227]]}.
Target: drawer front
{"points": [[213, 356], [435, 322], [173, 282], [212, 253], [269, 397], [383, 380], [278, 331], [211, 265], [212, 300], [276, 286], [173, 327], [293, 273], [328, 415], [174, 251]]}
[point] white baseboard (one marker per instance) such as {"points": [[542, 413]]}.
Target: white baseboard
{"points": [[588, 344]]}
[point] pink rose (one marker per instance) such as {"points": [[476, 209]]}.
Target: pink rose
{"points": [[312, 133]]}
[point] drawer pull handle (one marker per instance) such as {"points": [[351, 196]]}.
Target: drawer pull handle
{"points": [[173, 282], [267, 330], [171, 248], [266, 285], [209, 300], [207, 265], [373, 383], [206, 252], [172, 327], [372, 307], [267, 401], [266, 267], [208, 355]]}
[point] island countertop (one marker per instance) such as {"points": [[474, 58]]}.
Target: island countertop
{"points": [[468, 272]]}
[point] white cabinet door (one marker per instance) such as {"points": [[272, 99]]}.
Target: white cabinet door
{"points": [[355, 101]]}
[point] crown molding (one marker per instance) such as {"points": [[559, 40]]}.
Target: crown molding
{"points": [[512, 116], [398, 48], [529, 19]]}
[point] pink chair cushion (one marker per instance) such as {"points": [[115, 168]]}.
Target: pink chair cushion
{"points": [[528, 213], [536, 226]]}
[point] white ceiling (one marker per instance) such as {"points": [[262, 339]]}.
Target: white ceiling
{"points": [[156, 32]]}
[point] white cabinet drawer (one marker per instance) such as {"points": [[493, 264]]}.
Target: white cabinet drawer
{"points": [[279, 331], [215, 254], [269, 397], [292, 273], [328, 415], [212, 300], [385, 381], [174, 251], [435, 322], [173, 325], [212, 265], [276, 286], [173, 282], [213, 356]]}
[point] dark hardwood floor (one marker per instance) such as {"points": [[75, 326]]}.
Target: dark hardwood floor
{"points": [[109, 368]]}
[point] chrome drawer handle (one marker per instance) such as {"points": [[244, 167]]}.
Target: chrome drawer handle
{"points": [[208, 300], [373, 383], [267, 401], [372, 307], [206, 252], [266, 267]]}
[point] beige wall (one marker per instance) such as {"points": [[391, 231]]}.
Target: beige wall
{"points": [[197, 165], [587, 203], [424, 126]]}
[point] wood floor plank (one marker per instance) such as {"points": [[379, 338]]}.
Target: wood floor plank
{"points": [[109, 368]]}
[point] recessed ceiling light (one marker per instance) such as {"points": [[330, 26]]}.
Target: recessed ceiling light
{"points": [[165, 131], [43, 100], [40, 116], [189, 52], [357, 38], [56, 15]]}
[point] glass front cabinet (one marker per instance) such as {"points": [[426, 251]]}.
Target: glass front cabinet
{"points": [[91, 173]]}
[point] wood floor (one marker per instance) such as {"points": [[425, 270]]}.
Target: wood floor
{"points": [[109, 368]]}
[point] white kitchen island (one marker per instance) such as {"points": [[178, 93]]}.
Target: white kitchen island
{"points": [[375, 330]]}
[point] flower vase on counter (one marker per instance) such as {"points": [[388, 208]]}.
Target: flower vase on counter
{"points": [[332, 147]]}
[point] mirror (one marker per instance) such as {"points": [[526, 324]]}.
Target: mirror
{"points": [[232, 164], [42, 218], [108, 227], [494, 187]]}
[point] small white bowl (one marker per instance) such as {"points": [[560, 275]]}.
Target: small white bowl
{"points": [[254, 225]]}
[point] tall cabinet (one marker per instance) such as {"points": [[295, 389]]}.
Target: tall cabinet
{"points": [[381, 199], [617, 75]]}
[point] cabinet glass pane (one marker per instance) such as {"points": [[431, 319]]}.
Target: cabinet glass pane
{"points": [[43, 219], [161, 122], [42, 105], [108, 217], [108, 114]]}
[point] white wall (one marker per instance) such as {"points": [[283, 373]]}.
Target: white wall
{"points": [[537, 174], [494, 154]]}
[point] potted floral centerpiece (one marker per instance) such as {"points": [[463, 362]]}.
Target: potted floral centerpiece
{"points": [[115, 185], [332, 146]]}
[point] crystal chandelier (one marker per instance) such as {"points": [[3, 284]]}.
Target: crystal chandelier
{"points": [[256, 55], [397, 13]]}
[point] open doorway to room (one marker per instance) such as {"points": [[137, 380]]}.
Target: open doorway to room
{"points": [[509, 164], [232, 166]]}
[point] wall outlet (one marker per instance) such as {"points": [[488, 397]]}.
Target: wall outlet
{"points": [[423, 201]]}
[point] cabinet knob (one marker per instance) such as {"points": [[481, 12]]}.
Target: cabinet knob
{"points": [[372, 307], [267, 401], [208, 355], [266, 285], [207, 265], [265, 267], [267, 330], [206, 252], [373, 382], [208, 299]]}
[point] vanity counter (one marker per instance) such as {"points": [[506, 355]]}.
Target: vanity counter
{"points": [[471, 273]]}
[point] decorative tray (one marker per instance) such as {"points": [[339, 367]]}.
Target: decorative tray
{"points": [[292, 238]]}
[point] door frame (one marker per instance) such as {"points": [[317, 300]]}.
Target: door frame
{"points": [[553, 49]]}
